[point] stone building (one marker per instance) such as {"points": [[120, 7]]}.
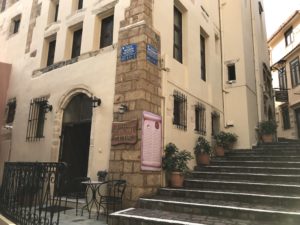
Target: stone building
{"points": [[285, 51], [87, 75]]}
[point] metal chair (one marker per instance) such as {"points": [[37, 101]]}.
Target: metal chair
{"points": [[111, 195], [78, 190]]}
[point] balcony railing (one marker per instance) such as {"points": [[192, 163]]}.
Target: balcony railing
{"points": [[31, 192]]}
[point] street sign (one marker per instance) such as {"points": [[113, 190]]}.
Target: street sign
{"points": [[128, 52]]}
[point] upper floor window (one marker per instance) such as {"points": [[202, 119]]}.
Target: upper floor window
{"points": [[51, 52], [76, 46], [11, 110], [289, 37], [3, 5], [282, 78], [15, 24], [36, 120], [231, 72], [180, 110], [80, 4], [200, 125], [203, 58], [56, 12], [295, 72], [107, 27], [177, 45]]}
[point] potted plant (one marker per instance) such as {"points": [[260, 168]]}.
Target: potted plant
{"points": [[224, 140], [175, 163], [101, 174], [202, 151], [266, 130]]}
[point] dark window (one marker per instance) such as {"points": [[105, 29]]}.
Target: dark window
{"points": [[36, 119], [16, 24], [260, 7], [215, 123], [51, 52], [231, 72], [177, 47], [200, 123], [285, 117], [180, 110], [295, 72], [282, 78], [3, 5], [11, 111], [203, 63], [80, 2], [56, 12], [289, 37], [76, 43], [107, 27]]}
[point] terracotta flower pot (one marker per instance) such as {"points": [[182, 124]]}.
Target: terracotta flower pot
{"points": [[219, 151], [177, 179], [203, 159], [267, 138]]}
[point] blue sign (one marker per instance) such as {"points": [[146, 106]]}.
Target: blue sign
{"points": [[128, 52], [152, 54]]}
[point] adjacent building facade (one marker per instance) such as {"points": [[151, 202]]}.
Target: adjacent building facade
{"points": [[285, 51], [87, 76]]}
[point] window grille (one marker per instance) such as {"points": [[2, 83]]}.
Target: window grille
{"points": [[11, 105], [36, 120], [200, 123], [180, 110]]}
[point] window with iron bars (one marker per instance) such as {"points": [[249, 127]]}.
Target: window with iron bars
{"points": [[180, 110], [200, 123], [11, 110], [36, 120]]}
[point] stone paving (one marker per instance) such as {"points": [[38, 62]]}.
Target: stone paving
{"points": [[71, 218]]}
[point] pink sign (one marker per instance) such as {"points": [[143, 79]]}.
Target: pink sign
{"points": [[151, 142]]}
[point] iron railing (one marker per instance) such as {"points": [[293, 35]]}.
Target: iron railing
{"points": [[31, 192]]}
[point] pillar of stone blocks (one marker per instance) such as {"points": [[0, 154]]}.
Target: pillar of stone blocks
{"points": [[138, 86]]}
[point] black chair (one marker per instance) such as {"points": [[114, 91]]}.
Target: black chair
{"points": [[76, 190], [111, 195]]}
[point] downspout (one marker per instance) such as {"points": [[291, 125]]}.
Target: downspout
{"points": [[222, 68]]}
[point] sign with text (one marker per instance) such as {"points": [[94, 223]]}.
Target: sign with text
{"points": [[128, 52], [124, 132], [151, 142], [281, 96], [152, 54]]}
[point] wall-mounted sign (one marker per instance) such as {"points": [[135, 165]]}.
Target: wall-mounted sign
{"points": [[124, 132], [128, 52], [152, 54], [281, 96], [151, 142]]}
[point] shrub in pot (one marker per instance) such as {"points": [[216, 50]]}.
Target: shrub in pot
{"points": [[224, 140], [202, 151], [266, 130], [175, 163]]}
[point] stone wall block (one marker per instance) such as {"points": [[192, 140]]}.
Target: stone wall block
{"points": [[128, 167], [153, 180], [131, 155]]}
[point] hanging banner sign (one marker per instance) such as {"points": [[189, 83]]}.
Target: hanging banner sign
{"points": [[152, 54], [281, 96], [128, 52], [124, 132], [151, 158]]}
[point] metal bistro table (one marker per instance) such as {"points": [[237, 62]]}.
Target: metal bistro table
{"points": [[93, 186]]}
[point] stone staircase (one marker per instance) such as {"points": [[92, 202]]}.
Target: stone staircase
{"points": [[257, 187]]}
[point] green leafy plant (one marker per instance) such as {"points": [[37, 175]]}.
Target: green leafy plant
{"points": [[225, 139], [267, 127], [175, 160], [202, 146]]}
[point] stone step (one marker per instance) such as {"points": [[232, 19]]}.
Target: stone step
{"points": [[249, 169], [249, 187], [289, 202], [225, 162], [259, 153], [138, 216], [236, 210], [290, 158], [259, 177]]}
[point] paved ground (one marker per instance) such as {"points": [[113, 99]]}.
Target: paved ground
{"points": [[71, 218]]}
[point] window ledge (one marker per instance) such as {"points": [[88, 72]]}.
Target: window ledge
{"points": [[231, 82]]}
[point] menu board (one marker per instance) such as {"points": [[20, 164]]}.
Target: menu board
{"points": [[151, 142]]}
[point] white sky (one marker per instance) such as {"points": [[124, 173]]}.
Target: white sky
{"points": [[277, 12]]}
